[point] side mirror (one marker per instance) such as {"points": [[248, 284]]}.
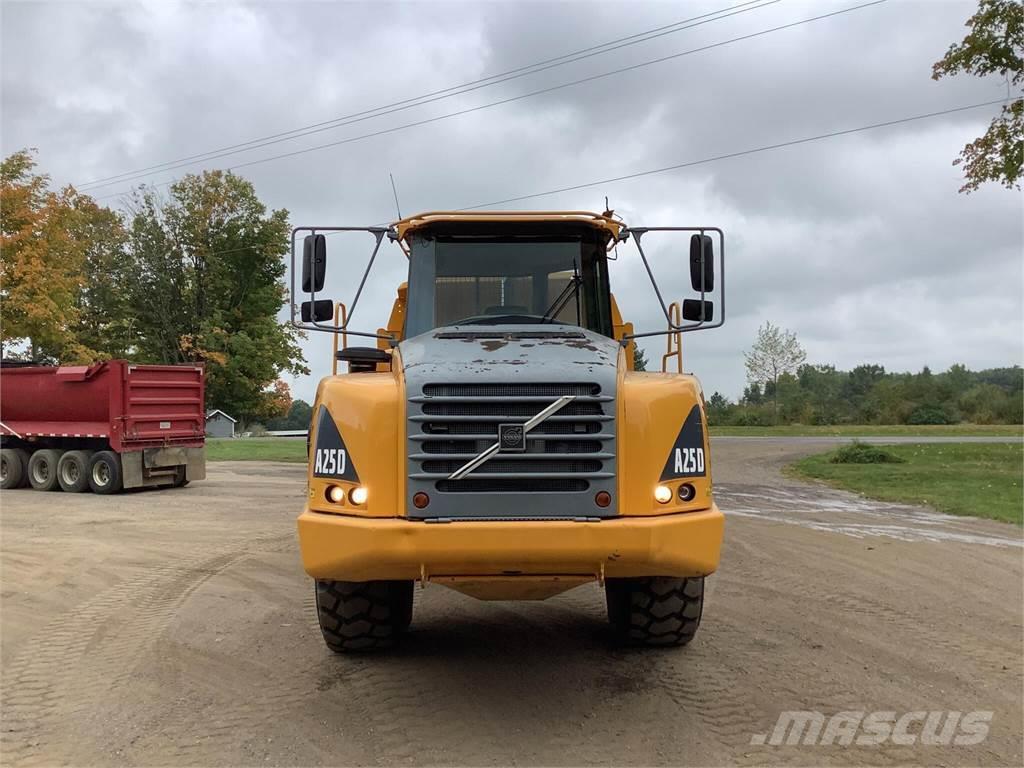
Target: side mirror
{"points": [[317, 311], [697, 310], [314, 263], [702, 255]]}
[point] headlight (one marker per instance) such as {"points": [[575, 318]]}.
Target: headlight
{"points": [[358, 495], [663, 494]]}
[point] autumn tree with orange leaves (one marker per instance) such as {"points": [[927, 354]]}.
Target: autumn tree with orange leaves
{"points": [[41, 263], [193, 276]]}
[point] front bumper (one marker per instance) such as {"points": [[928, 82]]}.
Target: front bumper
{"points": [[350, 548]]}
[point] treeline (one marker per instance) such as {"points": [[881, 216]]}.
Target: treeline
{"points": [[820, 394], [193, 275]]}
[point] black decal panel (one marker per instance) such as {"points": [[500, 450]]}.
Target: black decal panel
{"points": [[687, 457], [330, 456]]}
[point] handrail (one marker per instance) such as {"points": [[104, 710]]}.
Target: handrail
{"points": [[673, 338], [340, 312]]}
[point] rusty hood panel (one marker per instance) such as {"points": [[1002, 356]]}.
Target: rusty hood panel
{"points": [[510, 352]]}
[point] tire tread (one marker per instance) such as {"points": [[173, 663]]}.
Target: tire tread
{"points": [[656, 610]]}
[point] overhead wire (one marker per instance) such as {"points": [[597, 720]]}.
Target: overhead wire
{"points": [[433, 96], [549, 89], [740, 153], [713, 158]]}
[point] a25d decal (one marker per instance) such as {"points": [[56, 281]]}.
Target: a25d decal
{"points": [[686, 459], [330, 456]]}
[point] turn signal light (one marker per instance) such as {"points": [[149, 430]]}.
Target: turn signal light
{"points": [[335, 494], [663, 494], [603, 498], [420, 500]]}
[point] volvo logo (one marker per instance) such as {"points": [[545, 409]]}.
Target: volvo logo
{"points": [[512, 437]]}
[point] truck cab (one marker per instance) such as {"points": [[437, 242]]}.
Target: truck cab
{"points": [[497, 440]]}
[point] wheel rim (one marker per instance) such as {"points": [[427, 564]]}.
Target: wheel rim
{"points": [[41, 472], [70, 472], [101, 473]]}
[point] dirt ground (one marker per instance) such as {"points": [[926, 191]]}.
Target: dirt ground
{"points": [[177, 628]]}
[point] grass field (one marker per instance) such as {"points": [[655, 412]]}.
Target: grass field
{"points": [[883, 430], [256, 449], [980, 480]]}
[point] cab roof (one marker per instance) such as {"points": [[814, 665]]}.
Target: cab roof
{"points": [[501, 221]]}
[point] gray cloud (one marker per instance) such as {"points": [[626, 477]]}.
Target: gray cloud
{"points": [[860, 244]]}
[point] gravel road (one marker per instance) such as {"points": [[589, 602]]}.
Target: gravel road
{"points": [[176, 627]]}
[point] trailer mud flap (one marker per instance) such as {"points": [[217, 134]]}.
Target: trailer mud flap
{"points": [[152, 466]]}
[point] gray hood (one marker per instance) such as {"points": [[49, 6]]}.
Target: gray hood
{"points": [[462, 382], [510, 353]]}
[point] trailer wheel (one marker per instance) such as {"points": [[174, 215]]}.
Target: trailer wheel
{"points": [[73, 471], [180, 478], [363, 615], [655, 611], [13, 468], [105, 472], [42, 469]]}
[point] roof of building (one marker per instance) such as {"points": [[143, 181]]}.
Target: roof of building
{"points": [[211, 414]]}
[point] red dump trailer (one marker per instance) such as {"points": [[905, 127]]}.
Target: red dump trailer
{"points": [[106, 426]]}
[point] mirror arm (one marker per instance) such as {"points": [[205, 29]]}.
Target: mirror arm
{"points": [[379, 234], [637, 237]]}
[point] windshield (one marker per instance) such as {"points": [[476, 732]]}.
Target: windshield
{"points": [[489, 282]]}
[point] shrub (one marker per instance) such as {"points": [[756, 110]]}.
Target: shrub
{"points": [[929, 414], [863, 453]]}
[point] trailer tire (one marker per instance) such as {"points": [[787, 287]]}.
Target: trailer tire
{"points": [[658, 610], [180, 476], [13, 468], [73, 471], [42, 469], [105, 476], [363, 615]]}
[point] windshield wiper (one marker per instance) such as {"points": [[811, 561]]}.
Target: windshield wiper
{"points": [[562, 299]]}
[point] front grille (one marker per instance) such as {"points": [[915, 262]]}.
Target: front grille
{"points": [[490, 428], [525, 466], [534, 485], [504, 408], [449, 423], [509, 390]]}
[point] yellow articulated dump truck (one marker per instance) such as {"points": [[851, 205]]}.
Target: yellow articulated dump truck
{"points": [[495, 438]]}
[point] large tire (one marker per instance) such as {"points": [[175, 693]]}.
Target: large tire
{"points": [[657, 610], [42, 469], [363, 615], [105, 474], [73, 471], [13, 468]]}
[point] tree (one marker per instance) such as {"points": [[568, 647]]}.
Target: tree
{"points": [[104, 325], [639, 358], [40, 260], [775, 352], [717, 408], [300, 414], [207, 267], [994, 45]]}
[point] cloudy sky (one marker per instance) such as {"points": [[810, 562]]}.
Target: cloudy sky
{"points": [[860, 244]]}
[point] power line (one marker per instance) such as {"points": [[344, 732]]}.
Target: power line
{"points": [[444, 93], [741, 153], [714, 158], [541, 91]]}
